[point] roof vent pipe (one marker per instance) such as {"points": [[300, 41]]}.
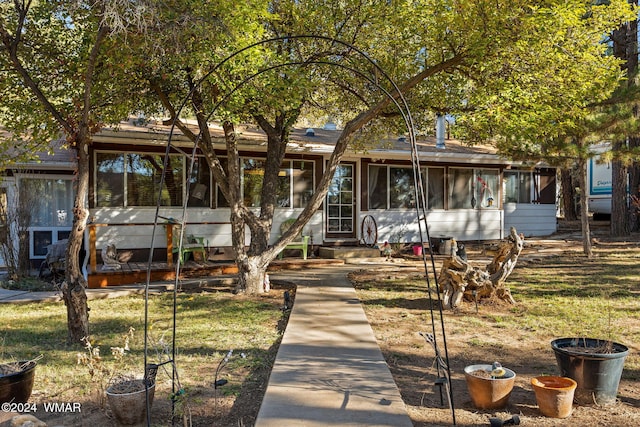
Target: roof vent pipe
{"points": [[440, 129]]}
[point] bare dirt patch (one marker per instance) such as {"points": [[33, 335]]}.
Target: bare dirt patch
{"points": [[479, 337]]}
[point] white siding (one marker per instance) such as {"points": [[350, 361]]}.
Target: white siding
{"points": [[9, 185], [212, 224], [314, 228], [530, 219], [464, 224]]}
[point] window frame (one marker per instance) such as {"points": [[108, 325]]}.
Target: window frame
{"points": [[57, 232], [519, 192], [483, 195], [387, 191], [184, 179], [295, 200]]}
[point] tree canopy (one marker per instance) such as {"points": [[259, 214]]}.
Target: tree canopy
{"points": [[518, 73]]}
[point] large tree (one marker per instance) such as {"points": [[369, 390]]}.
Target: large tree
{"points": [[625, 168], [447, 57], [61, 76], [579, 79], [430, 44]]}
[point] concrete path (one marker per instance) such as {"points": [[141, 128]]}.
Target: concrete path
{"points": [[329, 370], [27, 297]]}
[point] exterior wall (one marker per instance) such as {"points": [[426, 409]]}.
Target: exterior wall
{"points": [[212, 224], [394, 226], [9, 187], [462, 225], [314, 228], [530, 219]]}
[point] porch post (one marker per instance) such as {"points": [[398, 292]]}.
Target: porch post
{"points": [[93, 263], [169, 228]]}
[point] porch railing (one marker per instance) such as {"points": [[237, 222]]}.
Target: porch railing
{"points": [[93, 255]]}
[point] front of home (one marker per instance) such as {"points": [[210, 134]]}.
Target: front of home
{"points": [[471, 193], [37, 202]]}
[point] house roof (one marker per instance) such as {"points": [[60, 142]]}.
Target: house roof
{"points": [[57, 157], [322, 143]]}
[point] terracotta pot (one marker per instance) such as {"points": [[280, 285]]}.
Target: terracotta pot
{"points": [[130, 408], [489, 393], [554, 395], [17, 386]]}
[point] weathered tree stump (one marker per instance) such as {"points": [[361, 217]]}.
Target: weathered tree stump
{"points": [[459, 280]]}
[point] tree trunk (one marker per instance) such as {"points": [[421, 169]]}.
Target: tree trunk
{"points": [[459, 280], [619, 208], [634, 141], [634, 187], [252, 264], [625, 47], [251, 273], [568, 195], [584, 209], [73, 289]]}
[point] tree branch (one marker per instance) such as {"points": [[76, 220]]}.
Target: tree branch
{"points": [[11, 43]]}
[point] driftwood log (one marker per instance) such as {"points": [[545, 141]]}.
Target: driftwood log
{"points": [[459, 280]]}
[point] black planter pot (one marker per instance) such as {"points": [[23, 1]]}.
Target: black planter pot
{"points": [[597, 372], [16, 387]]}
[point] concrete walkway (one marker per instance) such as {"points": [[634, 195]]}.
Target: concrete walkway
{"points": [[329, 369], [26, 297]]}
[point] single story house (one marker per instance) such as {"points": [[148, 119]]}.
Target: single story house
{"points": [[472, 193]]}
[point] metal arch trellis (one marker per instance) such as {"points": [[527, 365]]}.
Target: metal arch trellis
{"points": [[398, 99]]}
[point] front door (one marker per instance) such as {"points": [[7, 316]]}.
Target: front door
{"points": [[341, 204]]}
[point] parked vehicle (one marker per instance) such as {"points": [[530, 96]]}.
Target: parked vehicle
{"points": [[599, 182]]}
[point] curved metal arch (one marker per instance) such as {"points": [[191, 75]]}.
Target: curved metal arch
{"points": [[405, 105], [402, 106]]}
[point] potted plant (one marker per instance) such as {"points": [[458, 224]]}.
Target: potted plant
{"points": [[489, 385], [16, 380], [129, 398], [596, 366]]}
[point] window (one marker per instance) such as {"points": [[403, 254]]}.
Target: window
{"points": [[46, 205], [133, 179], [402, 189], [487, 188], [546, 188], [517, 187], [377, 187], [49, 201], [392, 187], [461, 194], [294, 186], [4, 227], [435, 188], [144, 176], [221, 201], [109, 179], [199, 184], [252, 177], [538, 186], [473, 188], [41, 239], [302, 175]]}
